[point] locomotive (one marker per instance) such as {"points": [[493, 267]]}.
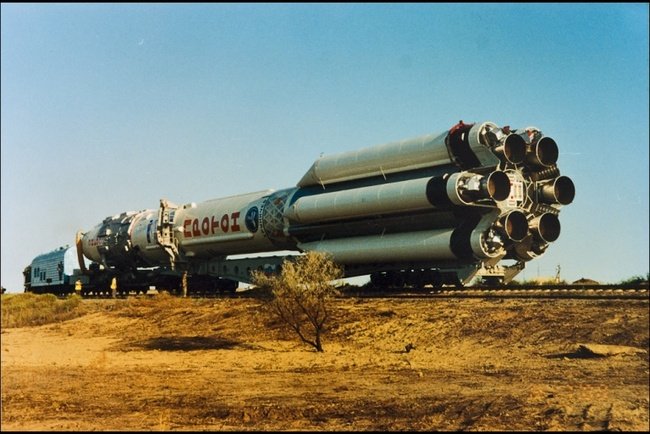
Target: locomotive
{"points": [[54, 272]]}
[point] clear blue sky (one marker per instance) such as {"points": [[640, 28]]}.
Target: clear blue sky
{"points": [[110, 107]]}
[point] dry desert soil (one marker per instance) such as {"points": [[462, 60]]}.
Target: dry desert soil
{"points": [[474, 364]]}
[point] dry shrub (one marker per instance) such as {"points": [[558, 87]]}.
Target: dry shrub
{"points": [[23, 310], [163, 302], [301, 294]]}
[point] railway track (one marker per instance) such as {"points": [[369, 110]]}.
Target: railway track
{"points": [[620, 292], [610, 292]]}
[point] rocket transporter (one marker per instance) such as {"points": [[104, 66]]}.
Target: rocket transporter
{"points": [[437, 209]]}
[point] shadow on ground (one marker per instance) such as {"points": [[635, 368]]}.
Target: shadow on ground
{"points": [[188, 343], [580, 353]]}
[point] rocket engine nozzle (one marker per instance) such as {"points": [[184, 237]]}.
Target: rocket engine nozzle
{"points": [[515, 225], [496, 186], [543, 153], [546, 227], [513, 149], [560, 190], [472, 187]]}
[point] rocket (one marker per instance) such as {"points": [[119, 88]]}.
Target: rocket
{"points": [[474, 200]]}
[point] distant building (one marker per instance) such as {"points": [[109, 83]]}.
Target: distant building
{"points": [[584, 281]]}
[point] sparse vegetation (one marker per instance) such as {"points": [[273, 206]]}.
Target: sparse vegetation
{"points": [[301, 295], [21, 310], [539, 282], [635, 280], [395, 364]]}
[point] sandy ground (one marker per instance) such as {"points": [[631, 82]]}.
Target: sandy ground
{"points": [[184, 364]]}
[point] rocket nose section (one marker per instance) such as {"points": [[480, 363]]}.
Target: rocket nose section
{"points": [[89, 242], [310, 177]]}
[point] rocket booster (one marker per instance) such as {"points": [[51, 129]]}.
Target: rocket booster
{"points": [[472, 195]]}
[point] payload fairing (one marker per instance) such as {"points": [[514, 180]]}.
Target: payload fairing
{"points": [[441, 208]]}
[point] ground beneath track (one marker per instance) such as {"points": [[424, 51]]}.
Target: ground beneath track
{"points": [[183, 364]]}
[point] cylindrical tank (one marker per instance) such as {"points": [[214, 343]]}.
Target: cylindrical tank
{"points": [[403, 196], [109, 243], [144, 237], [224, 226], [462, 188], [435, 245], [424, 151]]}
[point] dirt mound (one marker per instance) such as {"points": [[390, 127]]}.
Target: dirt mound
{"points": [[443, 364]]}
